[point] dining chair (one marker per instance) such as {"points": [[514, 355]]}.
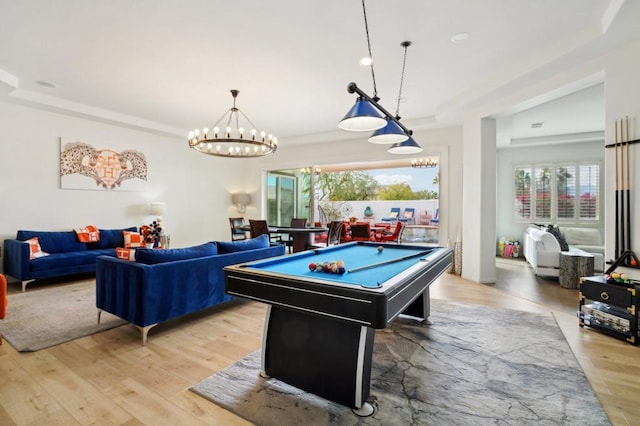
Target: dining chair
{"points": [[335, 232], [237, 234], [295, 223], [396, 236], [333, 236], [260, 227], [361, 232]]}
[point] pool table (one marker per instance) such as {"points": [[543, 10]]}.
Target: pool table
{"points": [[320, 327]]}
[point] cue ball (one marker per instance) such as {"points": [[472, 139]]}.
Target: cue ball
{"points": [[380, 248]]}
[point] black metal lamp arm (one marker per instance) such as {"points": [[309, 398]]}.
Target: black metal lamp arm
{"points": [[353, 88]]}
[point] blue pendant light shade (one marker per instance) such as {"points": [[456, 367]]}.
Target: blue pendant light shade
{"points": [[409, 146], [391, 133], [362, 117]]}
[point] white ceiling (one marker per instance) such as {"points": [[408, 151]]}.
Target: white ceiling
{"points": [[169, 65]]}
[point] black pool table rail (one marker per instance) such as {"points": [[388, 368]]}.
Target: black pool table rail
{"points": [[369, 306]]}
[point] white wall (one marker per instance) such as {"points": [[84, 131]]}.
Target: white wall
{"points": [[622, 99], [195, 186], [508, 158], [444, 143]]}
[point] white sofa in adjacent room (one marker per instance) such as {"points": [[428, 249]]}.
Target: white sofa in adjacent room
{"points": [[542, 250]]}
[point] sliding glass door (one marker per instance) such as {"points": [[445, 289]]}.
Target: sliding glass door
{"points": [[281, 198]]}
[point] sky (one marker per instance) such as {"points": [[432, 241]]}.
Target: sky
{"points": [[418, 179]]}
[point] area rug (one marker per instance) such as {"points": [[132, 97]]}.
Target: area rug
{"points": [[46, 317], [474, 365]]}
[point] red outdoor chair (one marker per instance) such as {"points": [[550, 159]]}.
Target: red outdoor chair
{"points": [[395, 237]]}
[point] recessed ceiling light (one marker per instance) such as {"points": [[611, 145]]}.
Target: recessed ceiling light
{"points": [[47, 84], [457, 38], [536, 125], [366, 61]]}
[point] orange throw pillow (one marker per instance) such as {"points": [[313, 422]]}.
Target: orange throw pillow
{"points": [[126, 253], [34, 249], [133, 239], [88, 234]]}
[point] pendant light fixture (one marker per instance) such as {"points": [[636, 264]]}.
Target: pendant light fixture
{"points": [[231, 141], [367, 114]]}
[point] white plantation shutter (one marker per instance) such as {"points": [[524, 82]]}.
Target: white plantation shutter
{"points": [[522, 193], [589, 192], [565, 192], [543, 189]]}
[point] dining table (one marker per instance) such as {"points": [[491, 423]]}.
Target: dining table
{"points": [[302, 238]]}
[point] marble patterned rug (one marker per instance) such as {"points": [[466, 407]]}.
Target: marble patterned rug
{"points": [[40, 318], [474, 365]]}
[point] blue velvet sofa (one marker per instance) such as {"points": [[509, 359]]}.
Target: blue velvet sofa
{"points": [[67, 256], [164, 284]]}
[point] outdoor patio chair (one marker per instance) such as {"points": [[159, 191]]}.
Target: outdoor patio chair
{"points": [[435, 220], [396, 236], [361, 232], [393, 215], [407, 216]]}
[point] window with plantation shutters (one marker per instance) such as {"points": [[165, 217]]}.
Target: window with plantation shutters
{"points": [[589, 192], [562, 193], [522, 179]]}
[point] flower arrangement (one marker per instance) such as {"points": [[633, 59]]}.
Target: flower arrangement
{"points": [[353, 219], [151, 232]]}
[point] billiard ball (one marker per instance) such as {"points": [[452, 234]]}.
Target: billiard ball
{"points": [[312, 266], [341, 270], [380, 248]]}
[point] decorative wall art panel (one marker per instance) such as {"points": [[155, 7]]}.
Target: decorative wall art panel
{"points": [[83, 166]]}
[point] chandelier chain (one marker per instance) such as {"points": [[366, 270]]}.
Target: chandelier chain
{"points": [[405, 44], [373, 74]]}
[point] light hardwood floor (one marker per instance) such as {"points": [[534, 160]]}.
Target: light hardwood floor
{"points": [[109, 378]]}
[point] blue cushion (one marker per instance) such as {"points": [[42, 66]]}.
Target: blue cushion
{"points": [[233, 246], [54, 242], [153, 256], [110, 238]]}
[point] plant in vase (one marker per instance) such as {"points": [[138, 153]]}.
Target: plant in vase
{"points": [[151, 233]]}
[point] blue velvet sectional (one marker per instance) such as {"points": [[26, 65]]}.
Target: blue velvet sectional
{"points": [[164, 284], [67, 256]]}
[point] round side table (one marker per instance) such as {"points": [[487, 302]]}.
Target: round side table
{"points": [[574, 265]]}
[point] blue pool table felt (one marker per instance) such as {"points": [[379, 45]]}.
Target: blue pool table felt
{"points": [[353, 255]]}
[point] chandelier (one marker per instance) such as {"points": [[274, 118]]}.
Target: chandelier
{"points": [[368, 115], [233, 141], [424, 162]]}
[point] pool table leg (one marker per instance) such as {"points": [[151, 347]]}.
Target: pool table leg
{"points": [[326, 357], [420, 307]]}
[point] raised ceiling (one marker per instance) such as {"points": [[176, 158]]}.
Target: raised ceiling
{"points": [[168, 65]]}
